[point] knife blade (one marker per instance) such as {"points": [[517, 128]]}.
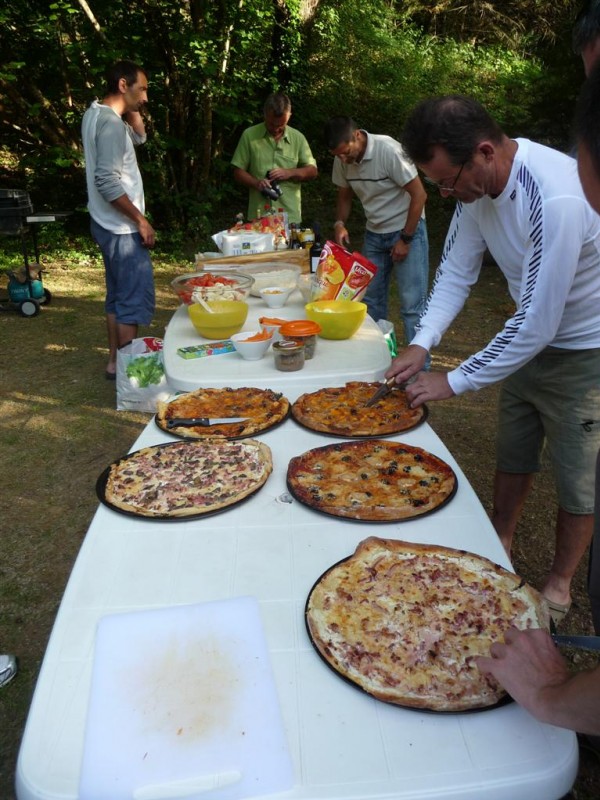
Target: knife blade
{"points": [[384, 389], [205, 422], [582, 642]]}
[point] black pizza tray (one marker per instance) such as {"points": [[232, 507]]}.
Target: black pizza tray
{"points": [[361, 436], [503, 701], [101, 495], [443, 504], [189, 437]]}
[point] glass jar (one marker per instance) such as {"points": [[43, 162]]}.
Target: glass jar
{"points": [[302, 331], [289, 356]]}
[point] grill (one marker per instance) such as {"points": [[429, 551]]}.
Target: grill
{"points": [[26, 291], [15, 207]]}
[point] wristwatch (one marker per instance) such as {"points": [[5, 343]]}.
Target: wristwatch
{"points": [[406, 237]]}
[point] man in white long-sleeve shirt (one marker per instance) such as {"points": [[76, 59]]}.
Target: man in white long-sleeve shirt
{"points": [[524, 202], [110, 130]]}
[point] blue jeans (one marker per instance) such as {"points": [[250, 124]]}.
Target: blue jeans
{"points": [[129, 277], [412, 277]]}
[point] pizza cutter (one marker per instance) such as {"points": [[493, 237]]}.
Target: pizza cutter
{"points": [[384, 389], [204, 422]]}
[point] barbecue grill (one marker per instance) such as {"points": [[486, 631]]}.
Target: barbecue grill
{"points": [[26, 291]]}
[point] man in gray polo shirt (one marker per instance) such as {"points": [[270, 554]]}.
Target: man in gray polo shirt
{"points": [[376, 169]]}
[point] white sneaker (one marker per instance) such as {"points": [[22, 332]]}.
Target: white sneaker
{"points": [[8, 669]]}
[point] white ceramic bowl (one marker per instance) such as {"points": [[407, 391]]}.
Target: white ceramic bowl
{"points": [[276, 296], [250, 351]]}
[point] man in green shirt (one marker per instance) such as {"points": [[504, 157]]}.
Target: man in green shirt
{"points": [[273, 147]]}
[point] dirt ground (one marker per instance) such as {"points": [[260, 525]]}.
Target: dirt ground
{"points": [[59, 429]]}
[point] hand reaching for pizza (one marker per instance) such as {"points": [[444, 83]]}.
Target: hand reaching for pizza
{"points": [[428, 386], [407, 363], [527, 665]]}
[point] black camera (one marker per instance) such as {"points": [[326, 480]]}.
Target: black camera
{"points": [[274, 191]]}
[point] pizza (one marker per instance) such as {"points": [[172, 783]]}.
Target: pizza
{"points": [[341, 411], [373, 480], [186, 478], [405, 622], [262, 409]]}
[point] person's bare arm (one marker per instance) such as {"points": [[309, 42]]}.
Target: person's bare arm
{"points": [[297, 174], [418, 198], [135, 119], [343, 207], [244, 178], [126, 207], [530, 668]]}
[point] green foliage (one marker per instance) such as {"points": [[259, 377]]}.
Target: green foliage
{"points": [[212, 64]]}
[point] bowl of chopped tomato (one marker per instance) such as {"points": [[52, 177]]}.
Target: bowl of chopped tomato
{"points": [[211, 286]]}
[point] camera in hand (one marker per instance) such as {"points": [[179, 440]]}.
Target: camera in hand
{"points": [[274, 191]]}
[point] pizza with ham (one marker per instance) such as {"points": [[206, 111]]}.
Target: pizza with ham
{"points": [[342, 411], [186, 478], [373, 480], [262, 409], [405, 622]]}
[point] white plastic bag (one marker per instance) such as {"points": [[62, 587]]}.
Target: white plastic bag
{"points": [[243, 243], [141, 379]]}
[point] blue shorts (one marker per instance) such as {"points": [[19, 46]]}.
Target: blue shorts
{"points": [[554, 401], [129, 278]]}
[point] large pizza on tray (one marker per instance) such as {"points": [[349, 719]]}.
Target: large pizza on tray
{"points": [[343, 411], [373, 480], [404, 622], [261, 409], [186, 478]]}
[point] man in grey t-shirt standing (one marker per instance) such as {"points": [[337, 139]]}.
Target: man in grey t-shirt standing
{"points": [[110, 130], [377, 170]]}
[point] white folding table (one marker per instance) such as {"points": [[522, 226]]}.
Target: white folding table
{"points": [[343, 744]]}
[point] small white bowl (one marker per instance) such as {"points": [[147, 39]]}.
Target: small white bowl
{"points": [[250, 351], [276, 296]]}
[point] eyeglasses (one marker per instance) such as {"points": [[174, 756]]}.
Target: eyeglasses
{"points": [[441, 186]]}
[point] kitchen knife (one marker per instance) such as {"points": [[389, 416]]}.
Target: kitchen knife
{"points": [[582, 642], [205, 422]]}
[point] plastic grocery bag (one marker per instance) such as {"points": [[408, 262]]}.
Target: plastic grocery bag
{"points": [[141, 380], [389, 334]]}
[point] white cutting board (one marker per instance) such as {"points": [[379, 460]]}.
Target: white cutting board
{"points": [[183, 705]]}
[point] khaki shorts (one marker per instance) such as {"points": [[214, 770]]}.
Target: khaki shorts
{"points": [[554, 402]]}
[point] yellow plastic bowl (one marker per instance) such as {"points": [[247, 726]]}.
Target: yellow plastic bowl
{"points": [[227, 318], [339, 319]]}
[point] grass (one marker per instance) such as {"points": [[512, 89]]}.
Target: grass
{"points": [[59, 429]]}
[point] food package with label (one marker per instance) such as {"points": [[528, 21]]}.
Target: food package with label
{"points": [[262, 235], [342, 275], [203, 350]]}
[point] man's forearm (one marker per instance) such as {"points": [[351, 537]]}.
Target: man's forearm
{"points": [[574, 704], [128, 209]]}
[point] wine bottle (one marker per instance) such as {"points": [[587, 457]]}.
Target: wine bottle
{"points": [[294, 240], [316, 248]]}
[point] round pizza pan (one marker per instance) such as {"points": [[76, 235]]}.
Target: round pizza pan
{"points": [[101, 495], [207, 435], [388, 521], [360, 435], [505, 700]]}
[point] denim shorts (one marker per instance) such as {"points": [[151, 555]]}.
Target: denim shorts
{"points": [[554, 402], [129, 277]]}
